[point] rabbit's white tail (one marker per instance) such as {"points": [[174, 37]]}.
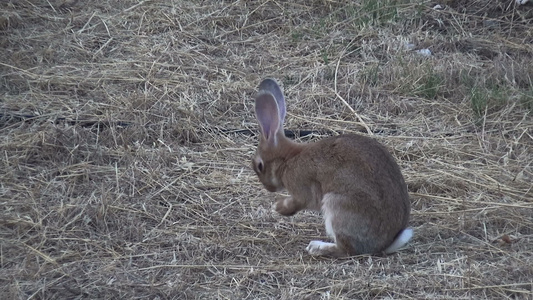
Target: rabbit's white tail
{"points": [[400, 240]]}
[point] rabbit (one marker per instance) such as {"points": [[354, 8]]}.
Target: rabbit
{"points": [[352, 179]]}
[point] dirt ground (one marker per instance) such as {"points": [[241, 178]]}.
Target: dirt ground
{"points": [[127, 131]]}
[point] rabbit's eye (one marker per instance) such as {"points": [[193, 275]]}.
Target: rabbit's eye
{"points": [[260, 167]]}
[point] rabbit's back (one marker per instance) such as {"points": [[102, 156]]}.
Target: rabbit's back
{"points": [[364, 173]]}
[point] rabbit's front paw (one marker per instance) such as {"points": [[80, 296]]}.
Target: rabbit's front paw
{"points": [[285, 206]]}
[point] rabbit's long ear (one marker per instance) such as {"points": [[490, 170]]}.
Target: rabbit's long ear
{"points": [[271, 86], [267, 113]]}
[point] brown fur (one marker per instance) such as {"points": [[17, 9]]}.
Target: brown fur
{"points": [[366, 196]]}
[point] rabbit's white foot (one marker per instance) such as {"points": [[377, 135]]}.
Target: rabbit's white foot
{"points": [[317, 248]]}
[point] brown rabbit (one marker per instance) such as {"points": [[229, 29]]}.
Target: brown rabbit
{"points": [[352, 179]]}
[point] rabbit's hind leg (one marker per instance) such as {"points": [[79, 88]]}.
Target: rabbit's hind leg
{"points": [[319, 248], [345, 226]]}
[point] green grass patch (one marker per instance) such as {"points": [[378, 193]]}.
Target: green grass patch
{"points": [[325, 56], [488, 99], [419, 80], [429, 85], [526, 100], [478, 101], [370, 75], [372, 12], [296, 36]]}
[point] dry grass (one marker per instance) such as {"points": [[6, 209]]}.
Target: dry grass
{"points": [[125, 146]]}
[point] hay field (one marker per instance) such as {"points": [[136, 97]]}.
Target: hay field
{"points": [[127, 128]]}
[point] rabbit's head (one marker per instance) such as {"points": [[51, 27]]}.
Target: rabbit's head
{"points": [[273, 147]]}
